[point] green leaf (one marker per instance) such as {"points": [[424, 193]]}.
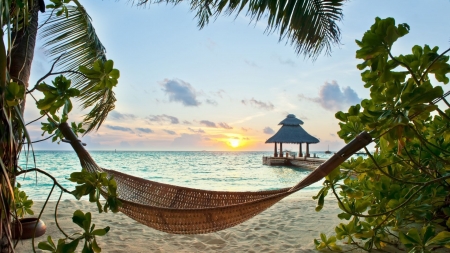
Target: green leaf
{"points": [[46, 246], [87, 221], [101, 232], [427, 233], [95, 246], [79, 218], [108, 66], [443, 238], [69, 247], [115, 73]]}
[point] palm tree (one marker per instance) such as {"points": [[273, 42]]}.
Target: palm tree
{"points": [[70, 38]]}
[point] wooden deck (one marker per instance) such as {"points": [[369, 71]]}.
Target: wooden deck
{"points": [[302, 162]]}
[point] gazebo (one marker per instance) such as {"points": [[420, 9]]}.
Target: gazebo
{"points": [[292, 132]]}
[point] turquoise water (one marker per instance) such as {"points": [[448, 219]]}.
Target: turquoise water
{"points": [[223, 171]]}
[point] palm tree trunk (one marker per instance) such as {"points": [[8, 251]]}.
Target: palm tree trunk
{"points": [[20, 61], [22, 52]]}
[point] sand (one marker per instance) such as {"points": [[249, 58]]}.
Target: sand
{"points": [[289, 226]]}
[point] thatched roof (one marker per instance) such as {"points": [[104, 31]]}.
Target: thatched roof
{"points": [[292, 133], [291, 120]]}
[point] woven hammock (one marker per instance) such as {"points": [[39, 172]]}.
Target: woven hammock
{"points": [[181, 210]]}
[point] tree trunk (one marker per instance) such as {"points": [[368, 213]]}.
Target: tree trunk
{"points": [[22, 52], [19, 64]]}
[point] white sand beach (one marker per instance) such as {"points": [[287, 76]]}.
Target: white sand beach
{"points": [[289, 226]]}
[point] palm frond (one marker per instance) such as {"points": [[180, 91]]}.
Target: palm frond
{"points": [[309, 25], [105, 104], [75, 37]]}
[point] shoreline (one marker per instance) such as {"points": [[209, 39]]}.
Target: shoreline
{"points": [[289, 226]]}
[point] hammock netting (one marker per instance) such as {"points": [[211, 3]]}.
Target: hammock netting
{"points": [[181, 210]]}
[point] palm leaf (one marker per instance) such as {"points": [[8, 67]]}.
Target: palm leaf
{"points": [[75, 37], [309, 25]]}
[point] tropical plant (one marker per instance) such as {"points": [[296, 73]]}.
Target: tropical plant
{"points": [[22, 205], [89, 235], [400, 194], [84, 73]]}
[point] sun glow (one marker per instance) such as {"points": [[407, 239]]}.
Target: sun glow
{"points": [[234, 142]]}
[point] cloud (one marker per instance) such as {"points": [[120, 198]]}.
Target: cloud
{"points": [[180, 91], [258, 104], [211, 102], [144, 130], [224, 125], [268, 130], [188, 141], [187, 122], [163, 119], [219, 93], [246, 138], [200, 131], [208, 123], [119, 128], [169, 132], [251, 64], [121, 116], [333, 98], [245, 129], [288, 62]]}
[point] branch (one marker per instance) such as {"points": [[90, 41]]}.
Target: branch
{"points": [[45, 112], [428, 69], [49, 16], [386, 174], [46, 75], [47, 174], [42, 210], [35, 120], [55, 73], [406, 66], [40, 140], [393, 209], [56, 217], [424, 141]]}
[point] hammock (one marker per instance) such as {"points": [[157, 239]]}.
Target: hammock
{"points": [[181, 210]]}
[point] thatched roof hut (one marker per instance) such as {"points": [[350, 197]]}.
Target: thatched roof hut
{"points": [[292, 132]]}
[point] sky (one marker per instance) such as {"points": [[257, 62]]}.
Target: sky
{"points": [[226, 87]]}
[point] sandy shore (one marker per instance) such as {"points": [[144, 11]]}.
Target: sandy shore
{"points": [[289, 226]]}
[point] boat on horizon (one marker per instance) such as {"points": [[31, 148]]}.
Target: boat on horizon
{"points": [[328, 151]]}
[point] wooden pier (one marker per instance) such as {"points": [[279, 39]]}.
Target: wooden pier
{"points": [[302, 162]]}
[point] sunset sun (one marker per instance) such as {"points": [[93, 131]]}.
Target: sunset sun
{"points": [[234, 142]]}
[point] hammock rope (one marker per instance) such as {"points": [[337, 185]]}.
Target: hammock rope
{"points": [[181, 210]]}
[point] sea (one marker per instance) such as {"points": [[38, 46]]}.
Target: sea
{"points": [[208, 170]]}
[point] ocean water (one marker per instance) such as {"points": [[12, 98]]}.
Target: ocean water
{"points": [[221, 171]]}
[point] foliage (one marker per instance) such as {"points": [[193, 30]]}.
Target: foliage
{"points": [[311, 25], [22, 205], [89, 235], [326, 243], [406, 182], [93, 184], [62, 35], [14, 93], [57, 96]]}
